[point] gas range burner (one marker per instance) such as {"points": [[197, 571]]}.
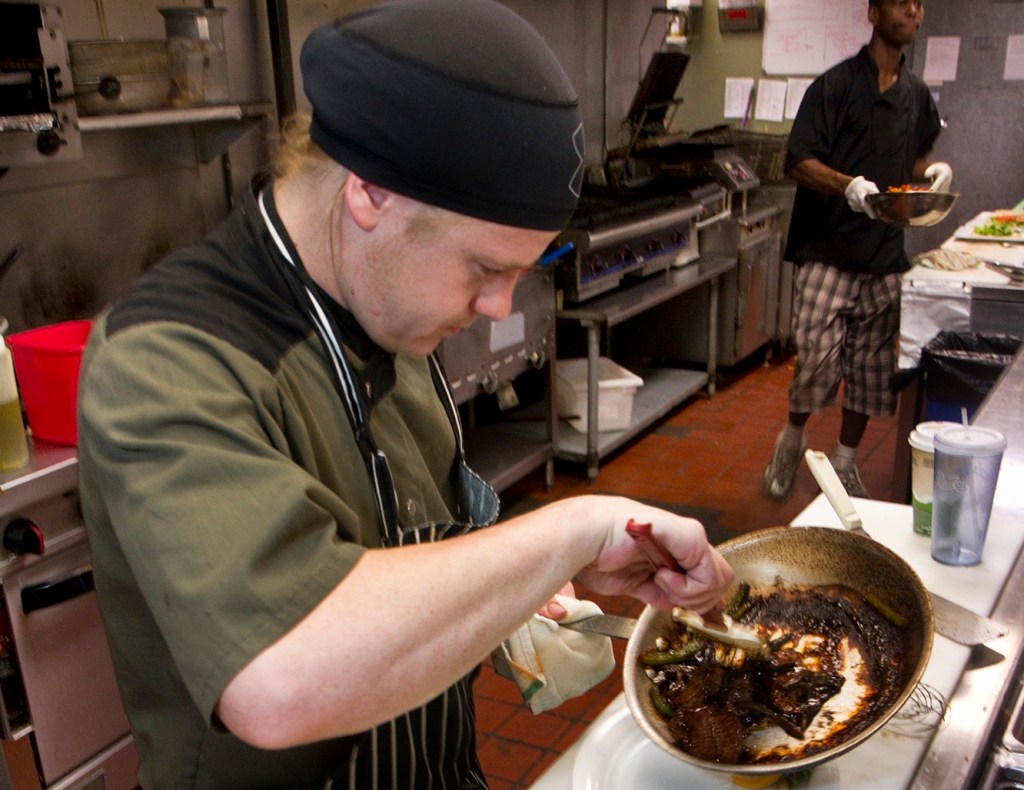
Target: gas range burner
{"points": [[620, 232]]}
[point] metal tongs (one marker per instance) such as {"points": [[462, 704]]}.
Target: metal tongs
{"points": [[714, 624], [1014, 273]]}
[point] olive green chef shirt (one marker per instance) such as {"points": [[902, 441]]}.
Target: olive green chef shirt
{"points": [[224, 494]]}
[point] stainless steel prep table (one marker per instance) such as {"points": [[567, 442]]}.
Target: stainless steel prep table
{"points": [[663, 388], [977, 682]]}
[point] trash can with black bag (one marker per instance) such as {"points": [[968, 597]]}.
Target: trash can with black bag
{"points": [[960, 369]]}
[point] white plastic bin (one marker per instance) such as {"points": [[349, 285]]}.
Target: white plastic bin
{"points": [[616, 388]]}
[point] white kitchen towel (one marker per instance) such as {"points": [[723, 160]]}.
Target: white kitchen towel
{"points": [[551, 664], [946, 260]]}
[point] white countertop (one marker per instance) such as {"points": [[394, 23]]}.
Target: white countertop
{"points": [[614, 754]]}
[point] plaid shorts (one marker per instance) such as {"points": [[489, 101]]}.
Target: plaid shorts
{"points": [[845, 326]]}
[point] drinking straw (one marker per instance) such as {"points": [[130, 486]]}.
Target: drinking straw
{"points": [[971, 499]]}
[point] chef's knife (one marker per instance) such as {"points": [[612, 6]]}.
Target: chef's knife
{"points": [[951, 620], [622, 628], [605, 624]]}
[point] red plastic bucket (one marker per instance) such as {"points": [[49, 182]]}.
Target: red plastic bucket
{"points": [[47, 361]]}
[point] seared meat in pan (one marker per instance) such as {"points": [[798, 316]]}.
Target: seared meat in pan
{"points": [[835, 659]]}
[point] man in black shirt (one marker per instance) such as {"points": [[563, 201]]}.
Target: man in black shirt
{"points": [[866, 124]]}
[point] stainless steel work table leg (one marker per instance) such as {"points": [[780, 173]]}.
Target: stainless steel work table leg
{"points": [[593, 393], [712, 334]]}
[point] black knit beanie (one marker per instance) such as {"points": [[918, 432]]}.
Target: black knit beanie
{"points": [[457, 103]]}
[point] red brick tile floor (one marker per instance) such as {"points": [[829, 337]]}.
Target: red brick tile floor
{"points": [[706, 460]]}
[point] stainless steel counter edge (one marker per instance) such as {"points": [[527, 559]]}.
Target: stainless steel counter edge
{"points": [[979, 706], [52, 470]]}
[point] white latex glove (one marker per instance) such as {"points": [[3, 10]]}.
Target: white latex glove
{"points": [[857, 192], [941, 175]]}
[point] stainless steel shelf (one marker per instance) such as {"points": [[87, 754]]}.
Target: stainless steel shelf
{"points": [[504, 453], [214, 127], [663, 390], [173, 116], [630, 301]]}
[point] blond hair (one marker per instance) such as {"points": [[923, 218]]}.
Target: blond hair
{"points": [[296, 153]]}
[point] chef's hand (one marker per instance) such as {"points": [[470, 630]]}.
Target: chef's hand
{"points": [[857, 192], [553, 610], [941, 175], [621, 568]]}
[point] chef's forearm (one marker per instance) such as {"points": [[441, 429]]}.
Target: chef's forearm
{"points": [[393, 634], [816, 175], [407, 623]]}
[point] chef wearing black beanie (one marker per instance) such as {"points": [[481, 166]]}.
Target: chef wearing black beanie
{"points": [[457, 103], [299, 575]]}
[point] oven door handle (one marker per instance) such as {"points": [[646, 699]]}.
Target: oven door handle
{"points": [[47, 594]]}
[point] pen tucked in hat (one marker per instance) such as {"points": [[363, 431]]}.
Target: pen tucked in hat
{"points": [[457, 103]]}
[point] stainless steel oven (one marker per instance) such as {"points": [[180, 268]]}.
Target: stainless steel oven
{"points": [[63, 724], [490, 354], [749, 296]]}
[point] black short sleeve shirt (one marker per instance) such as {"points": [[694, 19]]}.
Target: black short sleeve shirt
{"points": [[847, 124]]}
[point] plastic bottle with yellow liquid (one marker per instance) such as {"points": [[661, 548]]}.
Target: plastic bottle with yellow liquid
{"points": [[13, 444]]}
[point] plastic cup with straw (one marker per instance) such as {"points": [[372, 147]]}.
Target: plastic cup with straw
{"points": [[967, 462]]}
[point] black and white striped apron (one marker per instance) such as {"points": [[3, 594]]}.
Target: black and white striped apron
{"points": [[433, 746]]}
